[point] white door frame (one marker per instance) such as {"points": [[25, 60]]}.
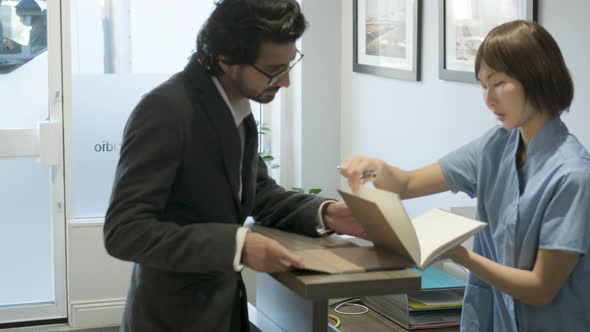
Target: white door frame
{"points": [[46, 144]]}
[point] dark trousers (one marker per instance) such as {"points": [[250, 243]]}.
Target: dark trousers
{"points": [[239, 320]]}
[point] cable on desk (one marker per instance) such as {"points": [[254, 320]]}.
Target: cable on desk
{"points": [[335, 319], [350, 303]]}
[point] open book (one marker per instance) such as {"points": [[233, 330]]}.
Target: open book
{"points": [[422, 240]]}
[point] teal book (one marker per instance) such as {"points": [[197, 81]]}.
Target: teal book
{"points": [[435, 278]]}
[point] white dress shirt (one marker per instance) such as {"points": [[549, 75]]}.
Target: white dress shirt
{"points": [[240, 110]]}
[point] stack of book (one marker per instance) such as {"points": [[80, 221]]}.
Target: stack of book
{"points": [[438, 304]]}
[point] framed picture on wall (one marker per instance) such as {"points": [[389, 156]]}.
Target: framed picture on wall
{"points": [[386, 38], [463, 25]]}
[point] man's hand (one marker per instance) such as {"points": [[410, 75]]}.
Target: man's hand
{"points": [[338, 217], [264, 254]]}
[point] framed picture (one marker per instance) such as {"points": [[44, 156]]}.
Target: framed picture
{"points": [[386, 38], [463, 25]]}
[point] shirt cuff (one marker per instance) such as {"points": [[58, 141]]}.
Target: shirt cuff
{"points": [[240, 240], [320, 225]]}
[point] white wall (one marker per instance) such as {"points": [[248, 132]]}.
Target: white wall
{"points": [[320, 96], [97, 283], [411, 124], [568, 22]]}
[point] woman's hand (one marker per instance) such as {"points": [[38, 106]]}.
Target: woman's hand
{"points": [[360, 170]]}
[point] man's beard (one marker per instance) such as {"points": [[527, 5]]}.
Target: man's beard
{"points": [[266, 96]]}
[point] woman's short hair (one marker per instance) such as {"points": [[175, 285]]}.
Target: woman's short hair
{"points": [[525, 51], [237, 28]]}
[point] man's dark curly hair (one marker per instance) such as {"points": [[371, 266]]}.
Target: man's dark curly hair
{"points": [[237, 28]]}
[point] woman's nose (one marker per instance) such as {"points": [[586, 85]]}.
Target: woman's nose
{"points": [[490, 98]]}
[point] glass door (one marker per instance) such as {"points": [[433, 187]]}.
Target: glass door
{"points": [[32, 219]]}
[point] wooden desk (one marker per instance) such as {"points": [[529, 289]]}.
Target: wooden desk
{"points": [[298, 301]]}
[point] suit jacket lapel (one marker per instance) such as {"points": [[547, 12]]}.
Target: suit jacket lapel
{"points": [[220, 116]]}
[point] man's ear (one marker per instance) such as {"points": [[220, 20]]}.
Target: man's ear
{"points": [[225, 68]]}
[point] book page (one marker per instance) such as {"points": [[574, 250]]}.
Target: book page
{"points": [[439, 230], [385, 221]]}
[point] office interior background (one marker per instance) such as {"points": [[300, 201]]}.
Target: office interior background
{"points": [[63, 109]]}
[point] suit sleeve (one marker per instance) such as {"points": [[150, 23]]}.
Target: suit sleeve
{"points": [[282, 209], [134, 229]]}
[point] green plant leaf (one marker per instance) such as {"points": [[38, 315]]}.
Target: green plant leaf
{"points": [[314, 191], [268, 158]]}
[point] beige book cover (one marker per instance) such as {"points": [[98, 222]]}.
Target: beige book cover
{"points": [[421, 240], [351, 259]]}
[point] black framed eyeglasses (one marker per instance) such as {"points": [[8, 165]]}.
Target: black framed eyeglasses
{"points": [[272, 79]]}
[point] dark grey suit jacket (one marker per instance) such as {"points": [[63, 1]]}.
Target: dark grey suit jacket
{"points": [[175, 208]]}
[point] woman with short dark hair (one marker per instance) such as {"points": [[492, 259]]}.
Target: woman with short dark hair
{"points": [[529, 267]]}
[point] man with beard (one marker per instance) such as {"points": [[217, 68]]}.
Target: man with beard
{"points": [[189, 174]]}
